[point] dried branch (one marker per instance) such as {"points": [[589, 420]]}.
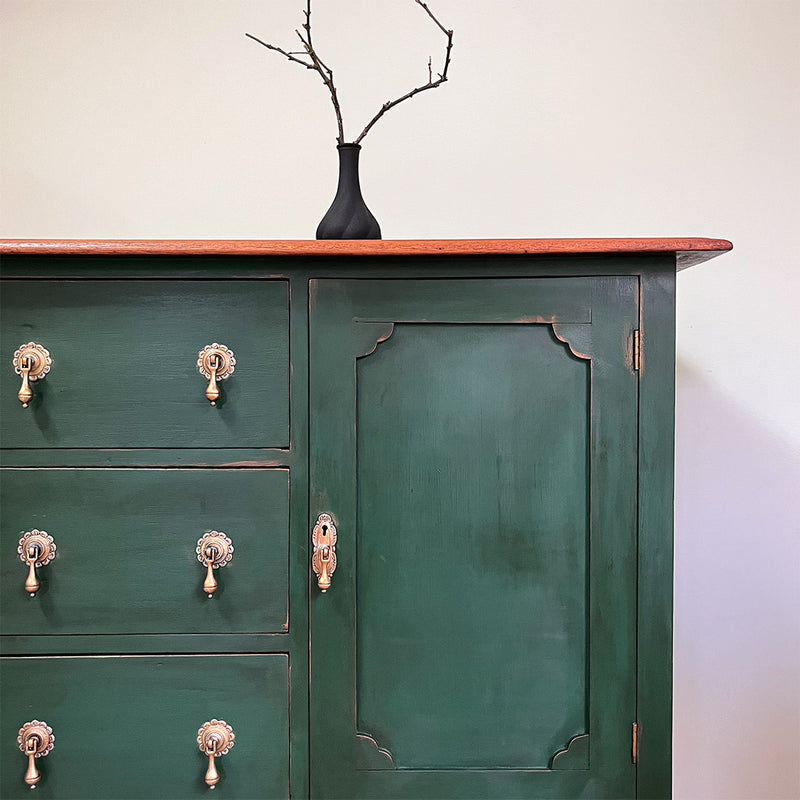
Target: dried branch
{"points": [[431, 84], [316, 63], [290, 55]]}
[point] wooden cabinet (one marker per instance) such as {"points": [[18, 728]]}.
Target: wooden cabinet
{"points": [[480, 433]]}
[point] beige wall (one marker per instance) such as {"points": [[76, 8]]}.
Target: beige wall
{"points": [[157, 118]]}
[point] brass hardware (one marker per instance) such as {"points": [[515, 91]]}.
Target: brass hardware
{"points": [[323, 559], [636, 350], [215, 738], [35, 739], [635, 743], [215, 362], [32, 362], [36, 549], [214, 550]]}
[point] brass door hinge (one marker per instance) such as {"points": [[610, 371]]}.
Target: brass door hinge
{"points": [[635, 743], [636, 350]]}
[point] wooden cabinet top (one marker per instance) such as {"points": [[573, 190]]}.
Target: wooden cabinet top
{"points": [[688, 251]]}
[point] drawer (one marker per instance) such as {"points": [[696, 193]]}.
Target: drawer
{"points": [[126, 560], [126, 726], [124, 372]]}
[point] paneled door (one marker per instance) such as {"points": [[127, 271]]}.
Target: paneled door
{"points": [[474, 443]]}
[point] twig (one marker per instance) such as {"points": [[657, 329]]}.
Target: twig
{"points": [[289, 55], [317, 64], [431, 84]]}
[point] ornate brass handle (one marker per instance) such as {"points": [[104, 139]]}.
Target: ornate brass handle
{"points": [[35, 739], [215, 738], [323, 559], [214, 550], [215, 362], [36, 548], [32, 362]]}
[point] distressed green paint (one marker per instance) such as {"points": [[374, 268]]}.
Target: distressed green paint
{"points": [[656, 448], [298, 540], [126, 727], [473, 531], [126, 560], [185, 457], [348, 319], [120, 643], [125, 363]]}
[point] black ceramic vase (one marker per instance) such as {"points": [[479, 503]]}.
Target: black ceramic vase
{"points": [[348, 217]]}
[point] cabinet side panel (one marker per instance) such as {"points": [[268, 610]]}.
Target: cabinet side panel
{"points": [[656, 455]]}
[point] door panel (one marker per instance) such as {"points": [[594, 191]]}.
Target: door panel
{"points": [[125, 726], [471, 543], [474, 442]]}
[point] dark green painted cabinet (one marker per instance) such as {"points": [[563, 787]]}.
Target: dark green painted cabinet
{"points": [[486, 425]]}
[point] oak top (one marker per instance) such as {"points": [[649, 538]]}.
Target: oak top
{"points": [[689, 251]]}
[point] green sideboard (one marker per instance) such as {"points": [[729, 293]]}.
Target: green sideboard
{"points": [[416, 544]]}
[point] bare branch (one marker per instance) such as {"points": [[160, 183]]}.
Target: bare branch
{"points": [[316, 64], [289, 55], [431, 84], [326, 73], [307, 24]]}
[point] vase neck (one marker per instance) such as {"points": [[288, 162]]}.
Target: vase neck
{"points": [[348, 166]]}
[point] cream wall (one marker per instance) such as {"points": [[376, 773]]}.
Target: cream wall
{"points": [[145, 118]]}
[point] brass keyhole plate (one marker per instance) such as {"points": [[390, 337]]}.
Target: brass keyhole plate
{"points": [[323, 557]]}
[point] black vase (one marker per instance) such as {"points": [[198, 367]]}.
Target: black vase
{"points": [[348, 217]]}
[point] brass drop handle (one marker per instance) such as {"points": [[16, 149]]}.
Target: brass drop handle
{"points": [[215, 362], [215, 738], [214, 550], [323, 559], [35, 739], [32, 362], [36, 549]]}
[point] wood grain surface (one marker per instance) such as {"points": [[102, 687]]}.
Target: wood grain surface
{"points": [[689, 251]]}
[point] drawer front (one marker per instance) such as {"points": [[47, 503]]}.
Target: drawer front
{"points": [[126, 727], [126, 560], [124, 372]]}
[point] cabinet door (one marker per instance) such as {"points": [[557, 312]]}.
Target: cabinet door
{"points": [[474, 442]]}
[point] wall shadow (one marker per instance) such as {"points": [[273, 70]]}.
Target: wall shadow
{"points": [[737, 600]]}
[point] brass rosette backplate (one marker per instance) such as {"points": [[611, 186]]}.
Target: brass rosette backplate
{"points": [[35, 358], [225, 361], [42, 542], [214, 547], [39, 734], [216, 736]]}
